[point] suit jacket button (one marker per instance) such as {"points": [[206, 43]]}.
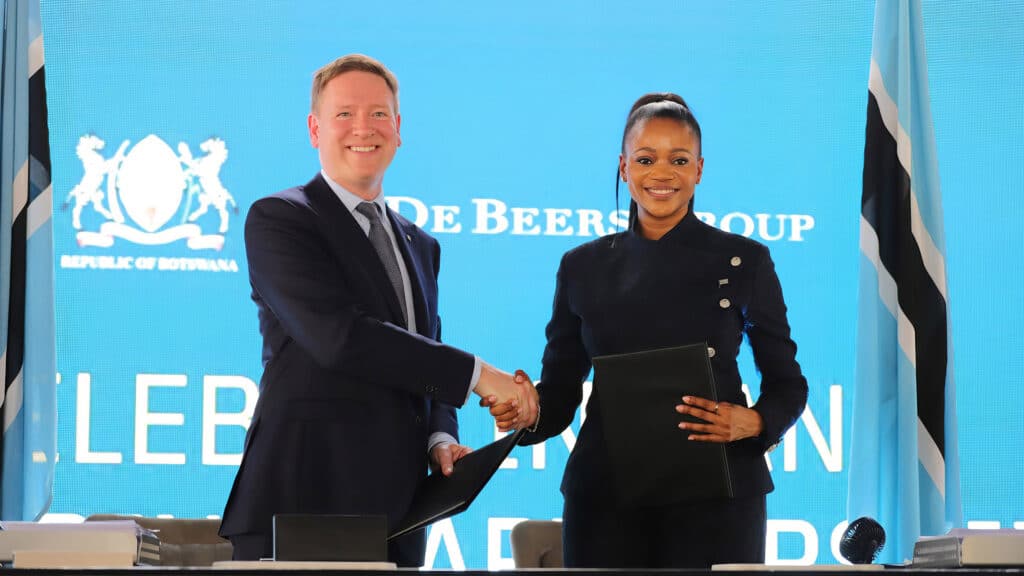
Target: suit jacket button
{"points": [[724, 303], [419, 420], [736, 261], [711, 352]]}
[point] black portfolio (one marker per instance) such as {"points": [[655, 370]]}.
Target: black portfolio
{"points": [[440, 496], [653, 462]]}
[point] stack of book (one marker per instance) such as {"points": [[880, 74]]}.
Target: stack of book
{"points": [[87, 545], [962, 547]]}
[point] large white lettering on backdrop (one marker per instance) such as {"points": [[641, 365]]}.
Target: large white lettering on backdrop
{"points": [[824, 430], [492, 216]]}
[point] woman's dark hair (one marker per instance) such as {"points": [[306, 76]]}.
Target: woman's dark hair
{"points": [[655, 105]]}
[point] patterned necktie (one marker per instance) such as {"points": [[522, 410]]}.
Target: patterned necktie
{"points": [[386, 251]]}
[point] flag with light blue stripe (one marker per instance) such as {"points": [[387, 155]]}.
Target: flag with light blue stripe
{"points": [[27, 358], [904, 469]]}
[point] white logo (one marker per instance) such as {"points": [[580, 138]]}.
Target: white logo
{"points": [[148, 184]]}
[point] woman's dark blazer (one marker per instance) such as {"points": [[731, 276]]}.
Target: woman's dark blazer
{"points": [[624, 293]]}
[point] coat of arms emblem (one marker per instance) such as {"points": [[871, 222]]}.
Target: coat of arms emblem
{"points": [[149, 194]]}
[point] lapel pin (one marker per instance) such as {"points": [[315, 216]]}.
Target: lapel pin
{"points": [[408, 238]]}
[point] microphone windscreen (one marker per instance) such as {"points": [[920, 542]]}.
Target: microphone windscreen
{"points": [[862, 541]]}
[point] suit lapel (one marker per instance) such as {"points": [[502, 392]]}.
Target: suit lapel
{"points": [[350, 245], [406, 246]]}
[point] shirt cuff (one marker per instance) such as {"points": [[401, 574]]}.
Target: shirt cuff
{"points": [[475, 379], [440, 438]]}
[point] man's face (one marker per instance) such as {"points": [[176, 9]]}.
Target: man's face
{"points": [[355, 127]]}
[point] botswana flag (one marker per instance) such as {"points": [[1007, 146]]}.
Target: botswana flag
{"points": [[27, 359], [903, 455]]}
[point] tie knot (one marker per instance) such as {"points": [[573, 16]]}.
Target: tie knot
{"points": [[370, 210]]}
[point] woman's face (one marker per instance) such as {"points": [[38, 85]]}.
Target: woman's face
{"points": [[662, 165]]}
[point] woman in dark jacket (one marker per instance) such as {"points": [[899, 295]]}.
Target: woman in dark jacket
{"points": [[667, 281]]}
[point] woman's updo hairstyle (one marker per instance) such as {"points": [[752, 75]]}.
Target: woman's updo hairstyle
{"points": [[660, 105], [655, 105]]}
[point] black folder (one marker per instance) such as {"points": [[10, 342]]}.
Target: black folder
{"points": [[439, 496], [653, 463]]}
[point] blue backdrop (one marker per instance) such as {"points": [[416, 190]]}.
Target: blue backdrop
{"points": [[512, 116]]}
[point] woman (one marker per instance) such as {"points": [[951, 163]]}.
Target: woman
{"points": [[667, 281]]}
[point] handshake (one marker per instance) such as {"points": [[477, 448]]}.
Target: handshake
{"points": [[511, 398]]}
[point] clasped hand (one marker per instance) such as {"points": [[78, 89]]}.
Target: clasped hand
{"points": [[725, 421], [512, 399]]}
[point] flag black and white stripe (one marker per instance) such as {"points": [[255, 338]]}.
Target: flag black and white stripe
{"points": [[27, 360], [903, 457]]}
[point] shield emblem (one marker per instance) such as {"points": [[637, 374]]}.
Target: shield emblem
{"points": [[150, 183]]}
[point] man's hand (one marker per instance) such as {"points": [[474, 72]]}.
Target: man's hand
{"points": [[444, 456], [520, 411]]}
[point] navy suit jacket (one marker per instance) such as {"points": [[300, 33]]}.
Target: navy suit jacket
{"points": [[348, 397]]}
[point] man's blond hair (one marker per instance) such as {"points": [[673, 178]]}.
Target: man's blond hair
{"points": [[350, 63]]}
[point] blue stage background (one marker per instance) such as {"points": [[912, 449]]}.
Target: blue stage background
{"points": [[512, 116]]}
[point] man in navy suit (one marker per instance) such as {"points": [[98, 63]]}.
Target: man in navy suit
{"points": [[358, 394]]}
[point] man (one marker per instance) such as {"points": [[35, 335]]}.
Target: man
{"points": [[358, 393]]}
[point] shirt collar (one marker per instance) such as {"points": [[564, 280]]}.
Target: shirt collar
{"points": [[350, 200]]}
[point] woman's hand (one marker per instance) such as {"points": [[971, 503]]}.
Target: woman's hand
{"points": [[725, 422]]}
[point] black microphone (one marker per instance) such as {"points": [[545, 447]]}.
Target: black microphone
{"points": [[862, 541]]}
